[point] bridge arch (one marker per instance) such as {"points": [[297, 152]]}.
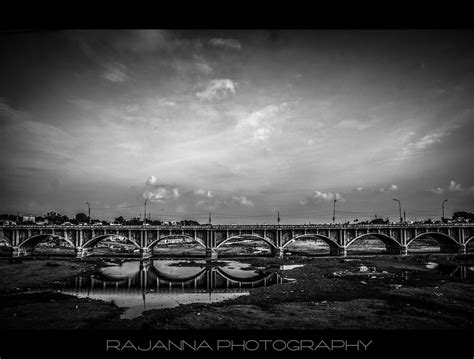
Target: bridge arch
{"points": [[264, 239], [468, 240], [390, 242], [33, 241], [94, 241], [332, 245], [158, 240], [443, 239]]}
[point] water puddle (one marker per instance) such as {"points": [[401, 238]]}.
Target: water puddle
{"points": [[290, 266], [431, 265], [156, 284]]}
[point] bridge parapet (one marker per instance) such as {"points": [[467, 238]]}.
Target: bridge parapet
{"points": [[397, 237]]}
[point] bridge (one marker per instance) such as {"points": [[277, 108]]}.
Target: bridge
{"points": [[452, 238]]}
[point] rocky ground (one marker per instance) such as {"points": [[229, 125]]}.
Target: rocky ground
{"points": [[386, 292]]}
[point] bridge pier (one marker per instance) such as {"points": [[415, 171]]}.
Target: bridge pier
{"points": [[146, 253], [22, 252], [83, 252], [403, 250], [211, 254], [462, 249], [279, 252], [342, 251]]}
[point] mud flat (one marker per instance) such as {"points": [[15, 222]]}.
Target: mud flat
{"points": [[28, 299], [423, 291]]}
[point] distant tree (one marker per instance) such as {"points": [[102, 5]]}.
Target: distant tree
{"points": [[135, 221], [120, 220], [53, 217], [154, 222], [463, 216], [379, 221], [81, 217], [188, 222]]}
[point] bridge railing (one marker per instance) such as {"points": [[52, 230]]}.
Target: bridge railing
{"points": [[239, 227]]}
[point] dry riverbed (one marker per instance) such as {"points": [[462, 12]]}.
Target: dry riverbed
{"points": [[386, 292]]}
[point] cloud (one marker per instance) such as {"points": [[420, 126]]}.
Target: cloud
{"points": [[392, 187], [454, 187], [226, 43], [151, 180], [115, 72], [258, 124], [318, 197], [425, 142], [359, 189], [241, 201], [203, 193], [438, 190], [209, 204], [354, 124], [204, 68], [217, 89], [166, 103], [160, 194]]}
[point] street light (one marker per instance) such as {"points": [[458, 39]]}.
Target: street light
{"points": [[334, 212], [442, 206], [88, 204], [144, 219], [399, 209]]}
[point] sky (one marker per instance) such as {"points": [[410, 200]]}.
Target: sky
{"points": [[239, 123]]}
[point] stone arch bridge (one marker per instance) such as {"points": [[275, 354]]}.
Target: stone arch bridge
{"points": [[452, 238]]}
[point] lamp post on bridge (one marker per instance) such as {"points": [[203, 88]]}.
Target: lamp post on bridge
{"points": [[144, 217], [89, 218], [442, 207], [334, 212], [399, 209]]}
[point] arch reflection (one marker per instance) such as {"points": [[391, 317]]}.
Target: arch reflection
{"points": [[167, 276]]}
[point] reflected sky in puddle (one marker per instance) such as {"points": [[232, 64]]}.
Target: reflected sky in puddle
{"points": [[290, 266], [156, 284], [462, 272]]}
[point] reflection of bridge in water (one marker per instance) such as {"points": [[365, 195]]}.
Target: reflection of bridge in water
{"points": [[147, 277]]}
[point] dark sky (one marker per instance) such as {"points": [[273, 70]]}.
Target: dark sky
{"points": [[238, 123]]}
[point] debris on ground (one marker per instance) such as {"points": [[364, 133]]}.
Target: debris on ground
{"points": [[396, 286]]}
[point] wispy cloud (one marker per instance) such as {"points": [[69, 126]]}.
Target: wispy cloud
{"points": [[217, 89], [226, 43], [318, 197], [426, 142], [391, 187], [352, 124], [437, 190], [260, 124], [454, 187], [241, 201], [115, 72]]}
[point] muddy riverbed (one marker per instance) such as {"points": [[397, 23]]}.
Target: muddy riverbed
{"points": [[425, 291]]}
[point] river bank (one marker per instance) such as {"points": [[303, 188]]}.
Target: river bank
{"points": [[425, 291]]}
